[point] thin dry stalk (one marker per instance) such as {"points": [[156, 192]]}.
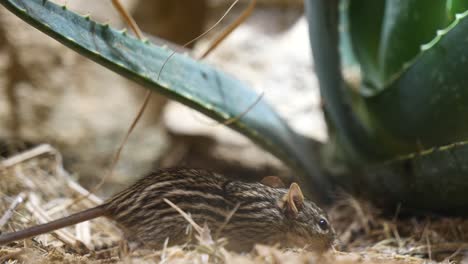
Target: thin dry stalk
{"points": [[246, 111], [134, 26], [27, 155], [185, 215], [128, 18], [197, 38], [164, 252], [429, 251], [227, 31], [361, 215], [12, 255], [9, 212], [35, 209], [226, 221]]}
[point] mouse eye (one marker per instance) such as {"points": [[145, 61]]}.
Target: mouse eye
{"points": [[323, 224]]}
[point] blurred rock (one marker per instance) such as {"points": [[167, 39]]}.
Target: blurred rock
{"points": [[49, 93]]}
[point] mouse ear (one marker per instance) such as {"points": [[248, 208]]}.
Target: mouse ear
{"points": [[293, 201], [273, 182]]}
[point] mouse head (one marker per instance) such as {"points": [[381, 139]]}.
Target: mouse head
{"points": [[307, 225]]}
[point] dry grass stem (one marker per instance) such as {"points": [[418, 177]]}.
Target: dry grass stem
{"points": [[29, 154], [9, 212], [185, 215]]}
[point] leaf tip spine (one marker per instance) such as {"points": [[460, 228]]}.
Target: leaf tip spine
{"points": [[426, 46], [190, 97], [211, 107], [444, 148], [70, 39], [461, 15]]}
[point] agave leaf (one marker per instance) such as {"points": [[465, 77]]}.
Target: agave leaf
{"points": [[421, 106], [434, 180], [425, 104], [348, 58], [349, 139], [192, 83], [365, 26], [456, 7], [427, 87], [407, 25]]}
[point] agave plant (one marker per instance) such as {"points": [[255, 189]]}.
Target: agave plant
{"points": [[398, 120], [391, 76]]}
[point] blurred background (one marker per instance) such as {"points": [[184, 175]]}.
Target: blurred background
{"points": [[50, 94]]}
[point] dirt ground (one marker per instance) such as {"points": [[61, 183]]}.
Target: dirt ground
{"points": [[57, 139], [35, 189]]}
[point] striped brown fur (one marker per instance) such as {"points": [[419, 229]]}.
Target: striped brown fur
{"points": [[209, 198]]}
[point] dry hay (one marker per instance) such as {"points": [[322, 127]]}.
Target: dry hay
{"points": [[35, 188]]}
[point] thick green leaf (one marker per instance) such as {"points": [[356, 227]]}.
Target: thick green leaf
{"points": [[349, 138], [426, 104], [407, 25], [428, 88], [456, 7], [365, 23], [422, 105], [183, 79], [435, 180], [348, 58]]}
